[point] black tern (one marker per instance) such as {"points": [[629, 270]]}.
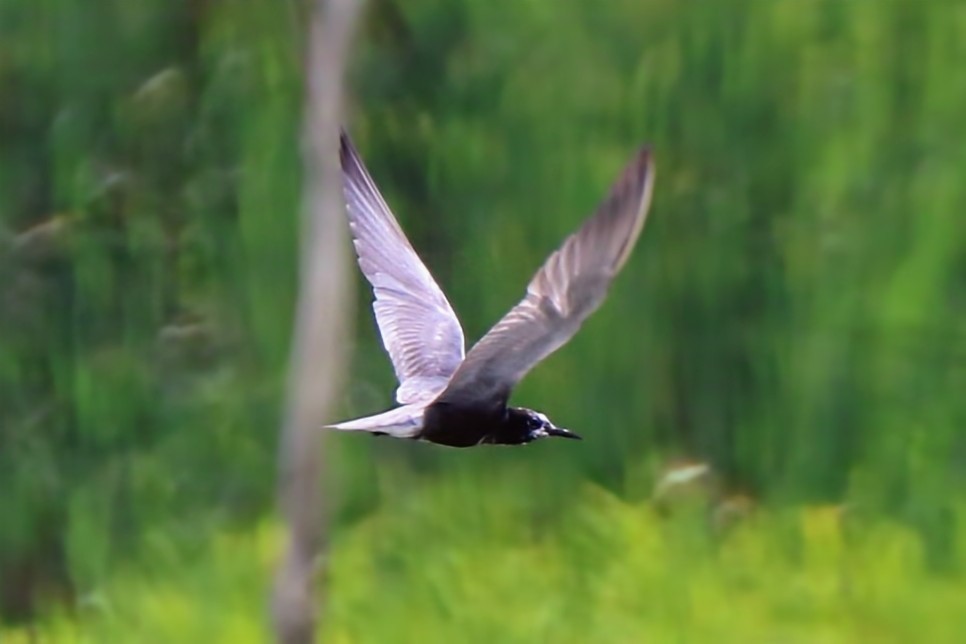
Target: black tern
{"points": [[459, 400]]}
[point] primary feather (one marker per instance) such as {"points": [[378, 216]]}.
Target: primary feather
{"points": [[419, 329]]}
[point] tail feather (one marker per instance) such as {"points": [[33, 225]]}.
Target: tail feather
{"points": [[401, 422]]}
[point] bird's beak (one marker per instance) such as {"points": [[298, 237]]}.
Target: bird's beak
{"points": [[563, 433]]}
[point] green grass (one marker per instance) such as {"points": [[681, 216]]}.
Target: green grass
{"points": [[441, 565]]}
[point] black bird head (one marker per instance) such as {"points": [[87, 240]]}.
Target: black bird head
{"points": [[534, 425]]}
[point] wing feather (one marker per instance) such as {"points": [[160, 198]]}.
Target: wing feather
{"points": [[419, 329], [570, 285]]}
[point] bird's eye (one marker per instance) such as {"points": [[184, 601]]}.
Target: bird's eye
{"points": [[534, 423]]}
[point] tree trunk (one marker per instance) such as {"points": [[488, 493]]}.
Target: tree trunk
{"points": [[318, 345]]}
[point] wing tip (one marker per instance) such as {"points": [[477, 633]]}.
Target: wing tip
{"points": [[637, 183], [636, 179], [354, 173], [348, 156], [644, 160]]}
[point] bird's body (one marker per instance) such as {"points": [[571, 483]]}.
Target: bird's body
{"points": [[459, 399], [454, 425], [466, 426]]}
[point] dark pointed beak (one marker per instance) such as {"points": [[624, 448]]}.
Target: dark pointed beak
{"points": [[563, 433]]}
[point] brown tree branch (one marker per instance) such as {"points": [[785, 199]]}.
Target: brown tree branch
{"points": [[317, 354]]}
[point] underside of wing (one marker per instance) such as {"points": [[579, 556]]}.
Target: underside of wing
{"points": [[419, 329], [570, 285]]}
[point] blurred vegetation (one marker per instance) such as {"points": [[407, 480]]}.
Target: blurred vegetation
{"points": [[440, 566], [792, 316]]}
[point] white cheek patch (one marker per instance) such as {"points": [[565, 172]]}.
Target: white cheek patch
{"points": [[542, 417]]}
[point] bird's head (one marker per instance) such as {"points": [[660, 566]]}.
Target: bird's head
{"points": [[537, 425]]}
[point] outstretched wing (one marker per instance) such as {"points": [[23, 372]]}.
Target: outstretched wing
{"points": [[570, 286], [419, 329]]}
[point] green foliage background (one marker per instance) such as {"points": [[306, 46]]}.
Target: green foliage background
{"points": [[792, 315]]}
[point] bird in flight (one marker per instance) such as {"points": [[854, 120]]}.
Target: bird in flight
{"points": [[460, 400]]}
